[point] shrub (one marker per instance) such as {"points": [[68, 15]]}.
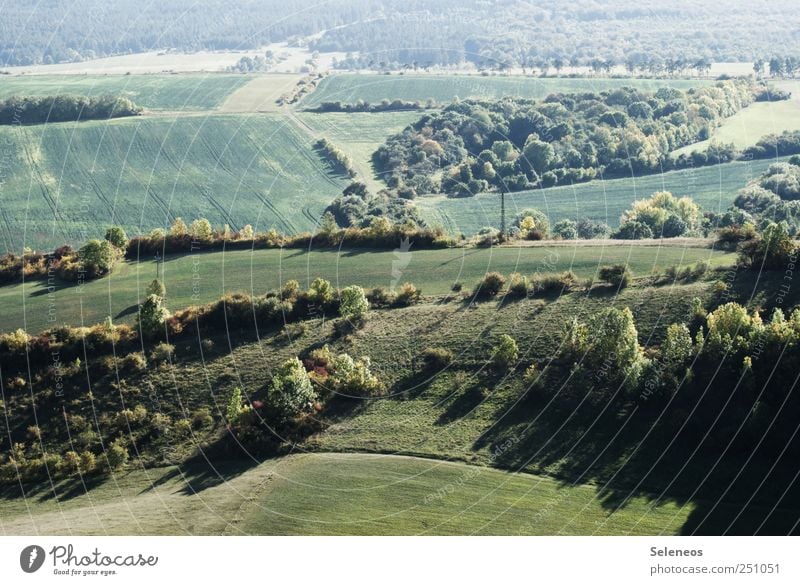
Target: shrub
{"points": [[518, 285], [457, 286], [772, 251], [436, 358], [163, 352], [408, 295], [353, 303], [235, 408], [677, 346], [633, 230], [618, 275], [134, 362], [156, 288], [291, 391], [380, 297], [152, 316], [505, 353], [490, 286], [351, 376], [201, 419], [321, 292], [97, 257], [117, 454], [117, 237], [207, 345], [566, 229]]}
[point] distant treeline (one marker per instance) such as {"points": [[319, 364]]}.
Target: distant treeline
{"points": [[64, 108], [384, 106]]}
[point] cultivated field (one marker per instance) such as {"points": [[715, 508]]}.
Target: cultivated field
{"points": [[184, 92], [350, 87], [208, 276], [260, 93], [69, 181], [714, 188]]}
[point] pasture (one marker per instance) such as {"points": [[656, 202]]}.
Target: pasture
{"points": [[351, 87], [330, 494], [179, 92], [204, 277]]}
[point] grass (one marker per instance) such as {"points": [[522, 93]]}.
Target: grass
{"points": [[331, 494], [590, 471], [443, 88], [155, 92], [260, 93], [714, 188], [200, 278], [345, 494], [748, 126], [67, 182], [359, 135]]}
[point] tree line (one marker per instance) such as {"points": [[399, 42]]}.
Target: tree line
{"points": [[64, 108]]}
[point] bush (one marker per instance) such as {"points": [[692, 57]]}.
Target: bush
{"points": [[290, 391], [97, 257], [117, 237], [353, 303], [633, 230], [566, 229], [505, 353], [408, 295], [163, 352], [436, 358], [518, 285], [490, 286], [134, 362], [152, 316], [321, 292], [380, 297], [349, 376], [457, 287], [618, 275], [117, 454], [156, 288]]}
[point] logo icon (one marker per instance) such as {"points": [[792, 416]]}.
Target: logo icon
{"points": [[31, 558]]}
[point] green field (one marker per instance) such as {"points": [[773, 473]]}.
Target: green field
{"points": [[333, 494], [190, 91], [349, 87], [747, 127], [209, 275], [69, 181], [714, 188], [359, 135]]}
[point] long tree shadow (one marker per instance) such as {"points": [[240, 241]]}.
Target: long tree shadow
{"points": [[629, 456]]}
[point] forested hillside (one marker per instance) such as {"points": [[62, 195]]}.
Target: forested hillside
{"points": [[498, 33]]}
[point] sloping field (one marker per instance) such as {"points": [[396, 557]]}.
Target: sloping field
{"points": [[201, 278], [156, 92], [714, 188], [330, 494], [359, 135], [746, 127], [260, 93], [350, 87], [66, 182]]}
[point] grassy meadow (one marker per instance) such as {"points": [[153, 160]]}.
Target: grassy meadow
{"points": [[204, 277], [331, 494]]}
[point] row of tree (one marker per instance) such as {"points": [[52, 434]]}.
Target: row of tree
{"points": [[64, 108]]}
